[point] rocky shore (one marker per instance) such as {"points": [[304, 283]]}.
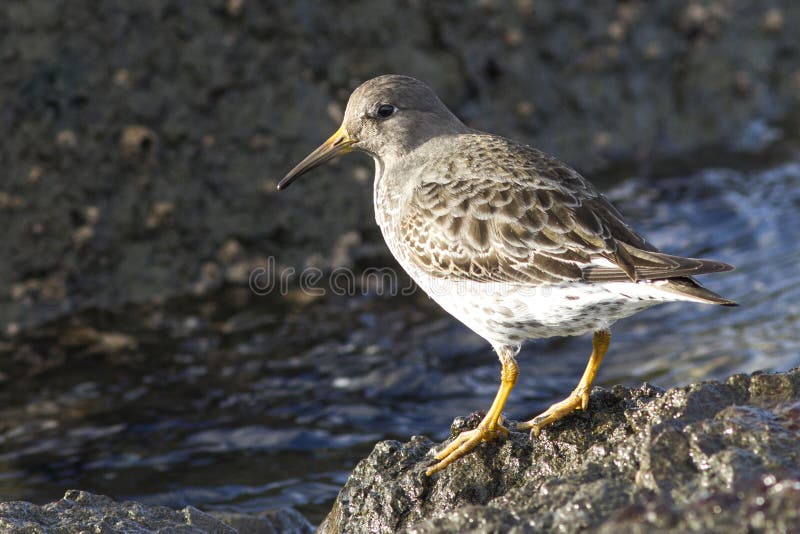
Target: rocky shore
{"points": [[709, 457], [80, 511], [143, 146]]}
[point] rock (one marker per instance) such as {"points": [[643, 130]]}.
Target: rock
{"points": [[283, 521], [709, 457], [80, 511], [138, 142]]}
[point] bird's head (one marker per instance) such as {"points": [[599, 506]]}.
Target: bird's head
{"points": [[386, 117]]}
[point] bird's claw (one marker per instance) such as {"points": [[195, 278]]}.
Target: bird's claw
{"points": [[578, 400], [463, 443]]}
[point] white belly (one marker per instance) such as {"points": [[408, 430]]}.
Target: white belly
{"points": [[510, 314]]}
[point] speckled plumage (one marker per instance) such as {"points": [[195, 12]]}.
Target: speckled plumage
{"points": [[501, 234], [510, 241]]}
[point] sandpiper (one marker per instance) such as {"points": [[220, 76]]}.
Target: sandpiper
{"points": [[511, 241]]}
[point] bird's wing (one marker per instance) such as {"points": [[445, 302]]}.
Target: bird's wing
{"points": [[530, 221]]}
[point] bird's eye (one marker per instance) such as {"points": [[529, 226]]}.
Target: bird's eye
{"points": [[386, 110]]}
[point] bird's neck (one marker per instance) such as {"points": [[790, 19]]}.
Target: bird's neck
{"points": [[387, 192]]}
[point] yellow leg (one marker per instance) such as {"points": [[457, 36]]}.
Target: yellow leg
{"points": [[579, 398], [490, 427]]}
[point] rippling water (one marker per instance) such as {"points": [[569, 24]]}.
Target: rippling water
{"points": [[242, 402]]}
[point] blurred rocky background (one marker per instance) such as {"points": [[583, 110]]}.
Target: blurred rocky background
{"points": [[142, 142]]}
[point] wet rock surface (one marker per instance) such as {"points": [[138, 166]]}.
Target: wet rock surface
{"points": [[80, 511], [709, 457], [144, 138]]}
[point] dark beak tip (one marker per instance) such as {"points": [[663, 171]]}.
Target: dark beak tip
{"points": [[331, 148], [285, 183]]}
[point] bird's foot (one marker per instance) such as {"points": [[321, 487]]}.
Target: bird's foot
{"points": [[577, 400], [465, 442]]}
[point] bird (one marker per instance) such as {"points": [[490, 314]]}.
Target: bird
{"points": [[509, 240]]}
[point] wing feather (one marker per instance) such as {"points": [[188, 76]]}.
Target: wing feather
{"points": [[514, 214]]}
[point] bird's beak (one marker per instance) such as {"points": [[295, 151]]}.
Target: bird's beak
{"points": [[339, 143]]}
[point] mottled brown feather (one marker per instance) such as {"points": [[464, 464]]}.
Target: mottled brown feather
{"points": [[510, 213]]}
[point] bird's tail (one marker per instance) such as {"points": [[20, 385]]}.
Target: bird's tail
{"points": [[689, 289]]}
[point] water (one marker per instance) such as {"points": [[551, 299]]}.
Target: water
{"points": [[234, 401]]}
